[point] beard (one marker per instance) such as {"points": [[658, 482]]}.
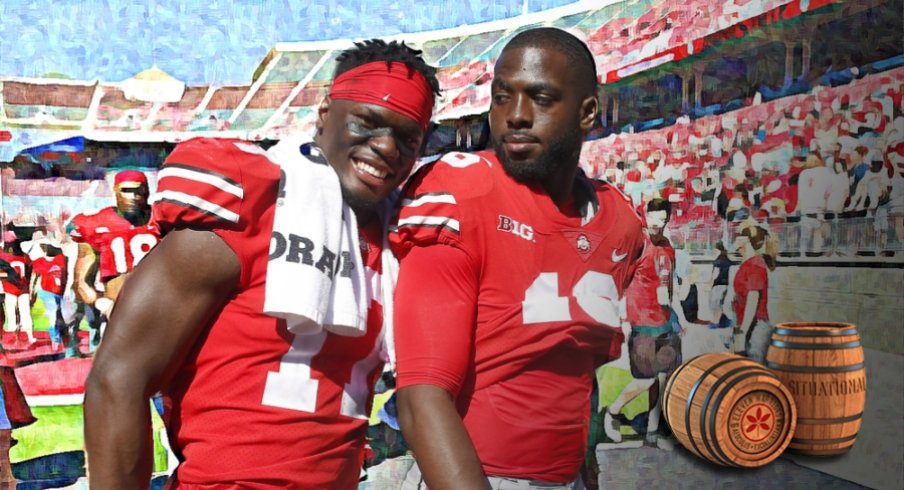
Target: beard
{"points": [[561, 152], [136, 215], [360, 204]]}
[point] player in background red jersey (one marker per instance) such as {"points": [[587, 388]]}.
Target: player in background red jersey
{"points": [[50, 271], [17, 286], [249, 403], [656, 322], [753, 330], [111, 242], [513, 264]]}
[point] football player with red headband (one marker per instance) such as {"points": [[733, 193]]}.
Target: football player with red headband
{"points": [[111, 242], [512, 267], [249, 401]]}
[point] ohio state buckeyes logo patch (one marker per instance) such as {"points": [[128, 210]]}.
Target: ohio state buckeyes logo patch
{"points": [[583, 242]]}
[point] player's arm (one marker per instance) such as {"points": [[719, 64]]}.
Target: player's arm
{"points": [[114, 285], [678, 308], [162, 309], [33, 286], [750, 309], [435, 314], [757, 281], [713, 275], [35, 268], [679, 292], [85, 265], [859, 196], [69, 288]]}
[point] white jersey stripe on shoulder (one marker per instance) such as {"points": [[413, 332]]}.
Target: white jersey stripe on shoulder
{"points": [[429, 198], [250, 148], [435, 221], [202, 177], [196, 203]]}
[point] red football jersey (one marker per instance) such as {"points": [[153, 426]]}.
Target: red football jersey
{"points": [[119, 245], [538, 314], [14, 403], [254, 406], [53, 273], [22, 265], [654, 268], [752, 275]]}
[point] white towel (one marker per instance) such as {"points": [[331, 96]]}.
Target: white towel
{"points": [[388, 278], [311, 207]]}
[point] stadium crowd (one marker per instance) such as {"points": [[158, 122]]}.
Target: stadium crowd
{"points": [[801, 164], [820, 171]]}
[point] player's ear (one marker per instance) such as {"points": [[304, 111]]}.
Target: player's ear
{"points": [[322, 111], [589, 109]]}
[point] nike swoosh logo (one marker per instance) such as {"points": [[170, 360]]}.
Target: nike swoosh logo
{"points": [[616, 257]]}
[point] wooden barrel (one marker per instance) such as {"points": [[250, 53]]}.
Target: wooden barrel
{"points": [[822, 365], [729, 410]]}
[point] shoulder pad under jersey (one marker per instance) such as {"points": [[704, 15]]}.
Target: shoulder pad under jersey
{"points": [[84, 227], [200, 183], [430, 209]]}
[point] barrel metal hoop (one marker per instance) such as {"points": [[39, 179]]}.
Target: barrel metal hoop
{"points": [[718, 400], [814, 369], [758, 372], [798, 345], [690, 399], [814, 333], [837, 420], [670, 382], [823, 441]]}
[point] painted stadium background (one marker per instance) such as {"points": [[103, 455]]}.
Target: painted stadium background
{"points": [[785, 115]]}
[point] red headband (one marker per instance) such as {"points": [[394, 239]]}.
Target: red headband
{"points": [[130, 176], [395, 87]]}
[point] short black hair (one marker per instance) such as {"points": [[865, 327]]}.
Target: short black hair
{"points": [[379, 50], [756, 234], [573, 48], [659, 204]]}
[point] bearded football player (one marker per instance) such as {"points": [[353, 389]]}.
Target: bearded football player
{"points": [[513, 264]]}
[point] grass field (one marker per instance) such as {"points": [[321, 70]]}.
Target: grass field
{"points": [[611, 381], [59, 429]]}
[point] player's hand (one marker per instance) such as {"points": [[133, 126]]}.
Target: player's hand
{"points": [[626, 328], [104, 306], [662, 295]]}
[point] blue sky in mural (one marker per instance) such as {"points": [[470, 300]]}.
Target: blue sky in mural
{"points": [[209, 41]]}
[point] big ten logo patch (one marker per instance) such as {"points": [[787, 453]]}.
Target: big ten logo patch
{"points": [[512, 226]]}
